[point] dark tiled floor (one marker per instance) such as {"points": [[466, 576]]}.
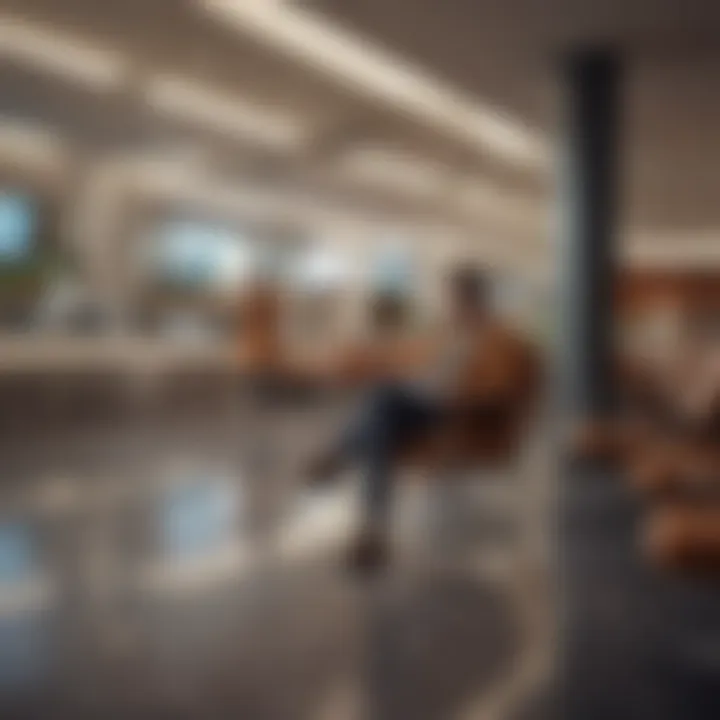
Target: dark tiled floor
{"points": [[138, 578], [638, 642]]}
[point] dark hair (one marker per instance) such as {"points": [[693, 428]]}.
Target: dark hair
{"points": [[470, 284]]}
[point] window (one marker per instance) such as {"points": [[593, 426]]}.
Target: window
{"points": [[321, 269], [17, 228], [392, 281], [191, 274], [393, 271], [17, 556], [318, 278], [195, 256], [25, 263]]}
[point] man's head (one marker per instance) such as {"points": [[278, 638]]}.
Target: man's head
{"points": [[468, 291]]}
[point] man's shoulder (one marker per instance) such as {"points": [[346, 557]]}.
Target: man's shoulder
{"points": [[511, 344], [503, 333]]}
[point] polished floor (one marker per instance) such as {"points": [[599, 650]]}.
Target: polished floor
{"points": [[180, 570]]}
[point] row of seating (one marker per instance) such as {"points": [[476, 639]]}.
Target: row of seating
{"points": [[674, 467]]}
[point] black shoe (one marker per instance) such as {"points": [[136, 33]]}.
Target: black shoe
{"points": [[323, 469], [369, 554]]}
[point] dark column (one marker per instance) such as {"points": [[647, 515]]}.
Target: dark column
{"points": [[615, 663], [587, 205]]}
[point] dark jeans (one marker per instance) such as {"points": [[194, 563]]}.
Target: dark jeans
{"points": [[391, 416]]}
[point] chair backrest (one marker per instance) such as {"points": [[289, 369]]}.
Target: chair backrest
{"points": [[530, 380], [492, 432], [260, 331], [501, 429]]}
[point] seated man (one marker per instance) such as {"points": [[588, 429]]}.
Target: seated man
{"points": [[467, 364]]}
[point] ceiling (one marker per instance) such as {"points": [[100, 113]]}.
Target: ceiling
{"points": [[484, 60]]}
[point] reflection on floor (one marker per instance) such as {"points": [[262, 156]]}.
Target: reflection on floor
{"points": [[178, 573]]}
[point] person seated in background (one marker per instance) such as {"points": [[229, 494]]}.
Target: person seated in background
{"points": [[676, 442], [672, 460], [695, 389], [467, 364], [682, 531]]}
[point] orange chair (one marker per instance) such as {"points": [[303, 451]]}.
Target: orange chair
{"points": [[490, 430], [684, 537], [259, 346]]}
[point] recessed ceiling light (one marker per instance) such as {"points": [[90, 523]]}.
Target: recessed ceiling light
{"points": [[223, 112], [398, 171], [60, 54], [485, 200]]}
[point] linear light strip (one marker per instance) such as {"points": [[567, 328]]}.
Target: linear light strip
{"points": [[400, 172], [226, 113], [362, 66], [683, 249], [61, 54]]}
